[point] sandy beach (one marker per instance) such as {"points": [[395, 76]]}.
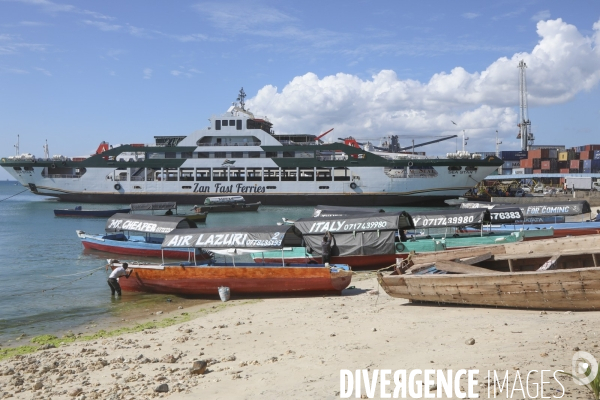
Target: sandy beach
{"points": [[296, 347]]}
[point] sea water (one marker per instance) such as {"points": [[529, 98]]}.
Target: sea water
{"points": [[49, 284]]}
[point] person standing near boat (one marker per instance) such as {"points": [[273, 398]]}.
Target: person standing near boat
{"points": [[326, 247], [113, 278]]}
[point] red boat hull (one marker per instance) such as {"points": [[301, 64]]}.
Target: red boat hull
{"points": [[178, 255], [205, 280]]}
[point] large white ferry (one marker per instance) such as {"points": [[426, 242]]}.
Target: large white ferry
{"points": [[239, 154]]}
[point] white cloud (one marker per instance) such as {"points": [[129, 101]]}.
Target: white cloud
{"points": [[185, 72], [43, 71], [103, 26], [176, 73], [562, 64], [541, 15], [147, 73], [470, 15]]}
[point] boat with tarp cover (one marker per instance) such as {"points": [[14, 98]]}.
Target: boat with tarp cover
{"points": [[167, 207], [242, 278], [552, 215], [374, 240], [139, 235]]}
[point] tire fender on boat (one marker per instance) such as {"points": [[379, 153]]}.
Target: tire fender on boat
{"points": [[400, 247], [353, 185], [53, 165], [117, 186]]}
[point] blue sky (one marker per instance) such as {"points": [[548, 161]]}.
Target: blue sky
{"points": [[77, 73]]}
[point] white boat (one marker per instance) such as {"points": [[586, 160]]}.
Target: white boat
{"points": [[239, 154]]}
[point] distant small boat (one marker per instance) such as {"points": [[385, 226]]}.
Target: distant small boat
{"points": [[79, 212], [169, 206], [226, 204]]}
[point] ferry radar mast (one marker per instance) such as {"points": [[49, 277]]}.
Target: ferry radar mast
{"points": [[241, 98], [524, 124]]}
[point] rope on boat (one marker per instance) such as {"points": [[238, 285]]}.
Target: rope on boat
{"points": [[15, 194], [93, 271]]}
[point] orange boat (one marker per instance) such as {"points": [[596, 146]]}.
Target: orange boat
{"points": [[204, 279]]}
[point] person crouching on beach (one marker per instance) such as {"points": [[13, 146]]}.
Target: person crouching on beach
{"points": [[113, 279]]}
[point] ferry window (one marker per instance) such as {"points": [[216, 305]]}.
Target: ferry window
{"points": [[306, 174], [203, 174], [323, 187], [232, 122], [341, 174], [171, 174], [254, 174], [17, 168], [237, 154], [225, 122], [323, 174], [218, 125], [170, 154], [271, 174], [186, 187], [453, 168], [220, 154], [289, 174], [289, 154], [137, 187], [271, 154], [28, 168], [152, 173], [237, 174], [254, 154], [121, 177], [219, 174], [186, 174], [470, 168], [252, 124], [238, 124], [271, 187], [202, 154], [186, 154]]}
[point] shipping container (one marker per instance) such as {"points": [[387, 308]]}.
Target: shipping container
{"points": [[526, 163], [518, 171], [594, 147], [507, 171], [564, 170], [575, 164], [545, 164], [513, 155], [529, 170], [511, 164], [536, 163], [537, 171], [566, 155], [573, 171], [562, 164], [586, 155], [587, 164], [596, 154], [552, 153]]}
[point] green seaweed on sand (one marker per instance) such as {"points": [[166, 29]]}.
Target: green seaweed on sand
{"points": [[42, 340]]}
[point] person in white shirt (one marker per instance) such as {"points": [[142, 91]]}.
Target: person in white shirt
{"points": [[113, 279]]}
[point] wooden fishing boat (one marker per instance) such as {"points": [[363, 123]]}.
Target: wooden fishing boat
{"points": [[79, 212], [373, 240], [552, 274], [168, 208], [204, 278], [226, 204], [139, 235]]}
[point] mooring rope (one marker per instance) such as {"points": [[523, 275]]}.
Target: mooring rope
{"points": [[93, 271], [14, 195], [76, 273]]}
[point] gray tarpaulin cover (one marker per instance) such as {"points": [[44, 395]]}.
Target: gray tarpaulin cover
{"points": [[450, 218], [559, 208], [235, 239], [146, 223], [164, 205], [360, 234], [336, 211]]}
